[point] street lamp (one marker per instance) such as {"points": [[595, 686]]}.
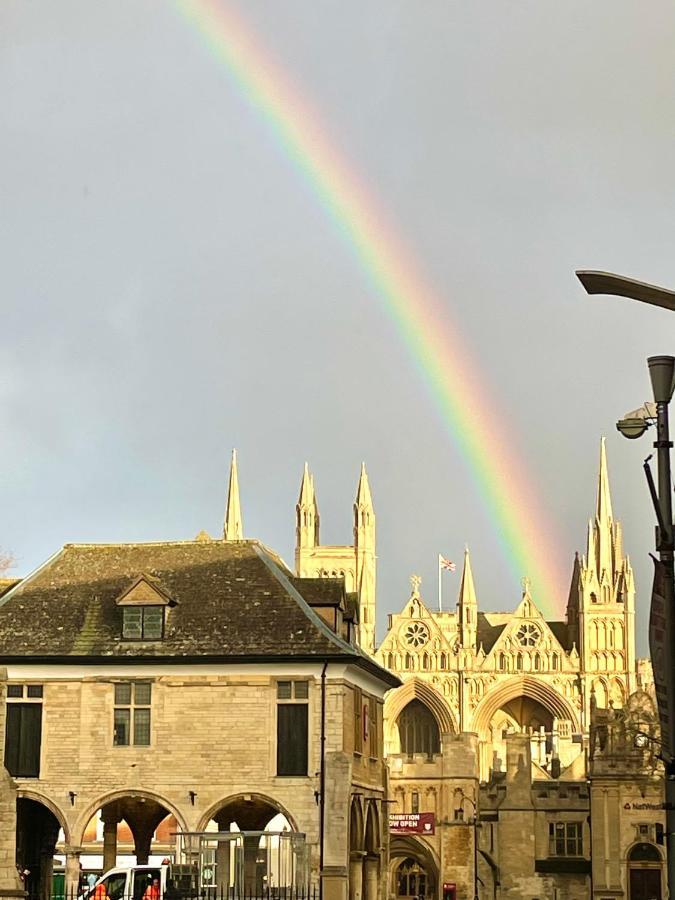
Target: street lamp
{"points": [[662, 612], [475, 842]]}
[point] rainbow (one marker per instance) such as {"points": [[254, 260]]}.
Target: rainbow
{"points": [[435, 347]]}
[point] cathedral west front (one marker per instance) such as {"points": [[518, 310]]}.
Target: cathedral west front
{"points": [[493, 741]]}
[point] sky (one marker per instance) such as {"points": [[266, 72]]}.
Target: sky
{"points": [[171, 287]]}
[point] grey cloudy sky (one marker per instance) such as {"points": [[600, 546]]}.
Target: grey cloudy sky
{"points": [[171, 288]]}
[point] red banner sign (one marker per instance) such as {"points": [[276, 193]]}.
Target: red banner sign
{"points": [[412, 823]]}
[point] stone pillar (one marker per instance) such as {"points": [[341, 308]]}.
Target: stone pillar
{"points": [[250, 857], [356, 875], [371, 875], [72, 883], [223, 854], [10, 883], [109, 840]]}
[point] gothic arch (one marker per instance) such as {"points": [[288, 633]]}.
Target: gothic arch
{"points": [[234, 798], [129, 793], [37, 797], [526, 686], [356, 829], [419, 690], [372, 842]]}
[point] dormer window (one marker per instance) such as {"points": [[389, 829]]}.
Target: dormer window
{"points": [[143, 605], [143, 623]]}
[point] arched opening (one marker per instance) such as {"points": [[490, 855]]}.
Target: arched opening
{"points": [[644, 872], [371, 863], [129, 844], [250, 847], [130, 829], [413, 869], [38, 830], [418, 730], [525, 704]]}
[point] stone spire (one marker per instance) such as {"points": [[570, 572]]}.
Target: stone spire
{"points": [[467, 604], [233, 530], [363, 496], [307, 513], [603, 506]]}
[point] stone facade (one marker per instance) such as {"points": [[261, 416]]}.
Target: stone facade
{"points": [[523, 689], [199, 682]]}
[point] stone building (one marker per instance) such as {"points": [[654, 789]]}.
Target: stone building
{"points": [[200, 682]]}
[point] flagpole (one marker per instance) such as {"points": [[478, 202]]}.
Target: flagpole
{"points": [[440, 585]]}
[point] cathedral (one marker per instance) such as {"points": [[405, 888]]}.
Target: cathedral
{"points": [[488, 740]]}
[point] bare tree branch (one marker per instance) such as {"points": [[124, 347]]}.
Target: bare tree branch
{"points": [[6, 561]]}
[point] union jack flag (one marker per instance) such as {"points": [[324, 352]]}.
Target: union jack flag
{"points": [[446, 564]]}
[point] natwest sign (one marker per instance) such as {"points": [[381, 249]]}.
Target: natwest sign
{"points": [[412, 823]]}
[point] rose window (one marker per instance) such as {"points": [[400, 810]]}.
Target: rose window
{"points": [[416, 634], [528, 635]]}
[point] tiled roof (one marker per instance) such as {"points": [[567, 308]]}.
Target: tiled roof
{"points": [[234, 600]]}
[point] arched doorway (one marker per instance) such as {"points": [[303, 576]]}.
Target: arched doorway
{"points": [[413, 869], [644, 872], [411, 879], [249, 846], [37, 832]]}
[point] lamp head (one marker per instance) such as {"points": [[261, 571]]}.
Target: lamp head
{"points": [[632, 428], [662, 374]]}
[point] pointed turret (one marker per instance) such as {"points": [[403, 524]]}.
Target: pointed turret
{"points": [[364, 547], [467, 605], [363, 496], [306, 513], [233, 530]]}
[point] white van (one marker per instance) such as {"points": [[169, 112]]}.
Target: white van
{"points": [[175, 882]]}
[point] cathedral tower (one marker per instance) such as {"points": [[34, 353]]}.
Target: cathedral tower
{"points": [[601, 608], [364, 549], [355, 563]]}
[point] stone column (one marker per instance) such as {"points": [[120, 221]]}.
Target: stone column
{"points": [[110, 821], [250, 869], [371, 874], [356, 875], [72, 883], [223, 853]]}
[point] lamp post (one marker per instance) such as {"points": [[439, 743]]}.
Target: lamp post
{"points": [[475, 842], [662, 612]]}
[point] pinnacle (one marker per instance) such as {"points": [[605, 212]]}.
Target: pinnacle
{"points": [[233, 530], [307, 497], [603, 509], [363, 495], [467, 590]]}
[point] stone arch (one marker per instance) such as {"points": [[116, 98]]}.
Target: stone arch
{"points": [[415, 689], [644, 851], [373, 839], [527, 686], [59, 815], [246, 796], [129, 793], [356, 829], [409, 847]]}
